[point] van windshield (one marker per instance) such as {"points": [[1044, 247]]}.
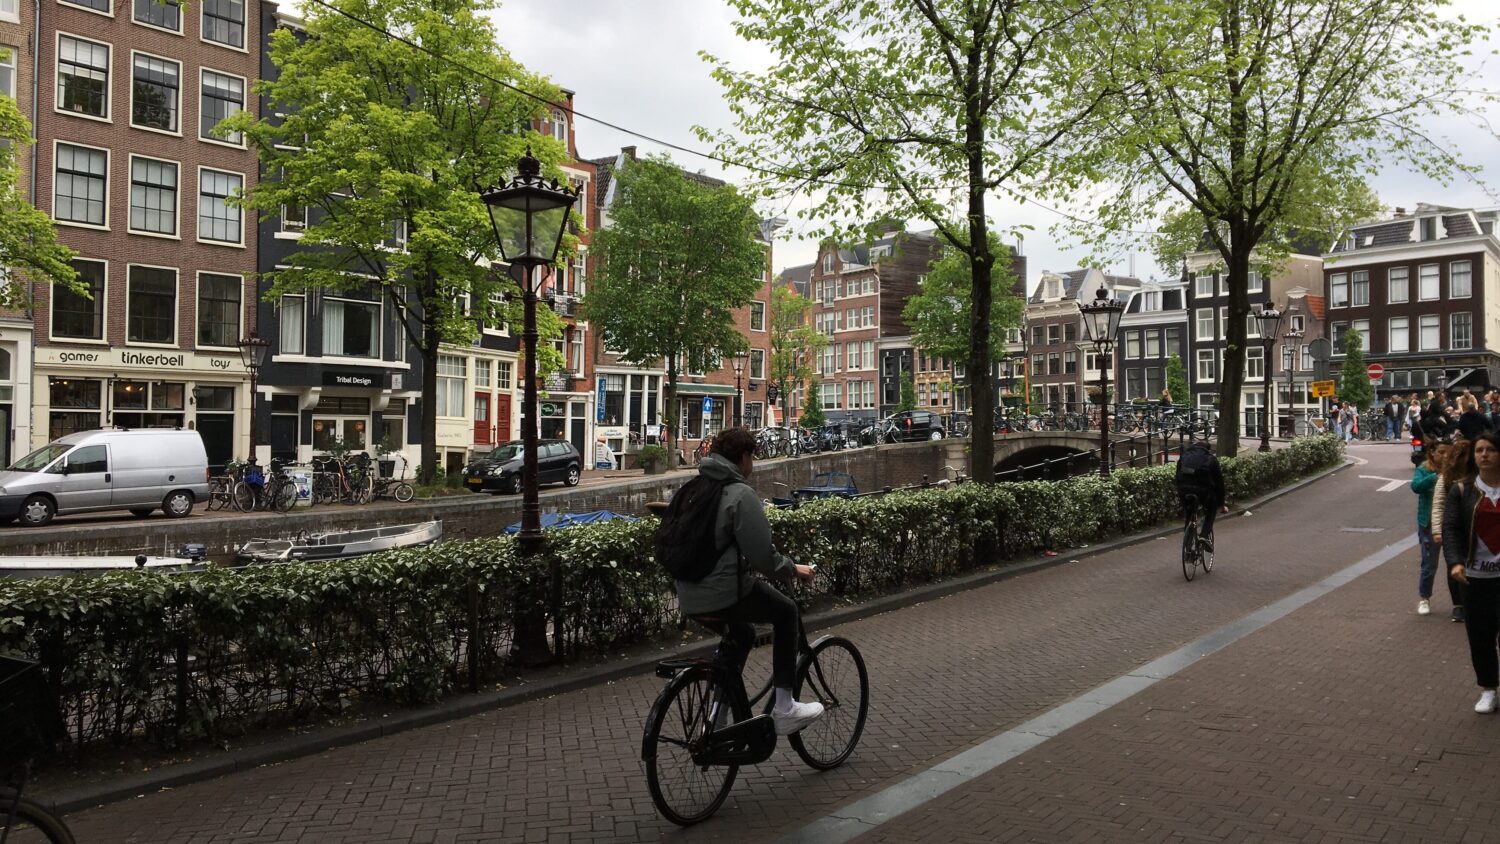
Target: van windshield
{"points": [[38, 460], [505, 453]]}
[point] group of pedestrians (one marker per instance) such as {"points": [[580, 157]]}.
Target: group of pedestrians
{"points": [[1457, 482]]}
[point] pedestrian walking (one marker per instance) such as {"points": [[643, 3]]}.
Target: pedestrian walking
{"points": [[1452, 463], [1424, 477], [1349, 421], [1394, 413], [1413, 417], [1471, 421], [1471, 543]]}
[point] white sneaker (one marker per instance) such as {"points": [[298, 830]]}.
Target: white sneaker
{"points": [[1424, 607], [799, 715], [1486, 703]]}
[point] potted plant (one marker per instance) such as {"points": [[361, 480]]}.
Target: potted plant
{"points": [[654, 459], [388, 445]]}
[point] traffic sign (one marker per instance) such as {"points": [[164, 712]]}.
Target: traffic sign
{"points": [[1321, 389], [1376, 372], [708, 404], [773, 393]]}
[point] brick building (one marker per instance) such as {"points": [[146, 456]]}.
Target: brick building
{"points": [[1152, 330], [129, 167], [17, 75], [1420, 287], [1060, 367]]}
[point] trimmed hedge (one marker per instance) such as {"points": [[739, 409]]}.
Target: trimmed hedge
{"points": [[138, 654]]}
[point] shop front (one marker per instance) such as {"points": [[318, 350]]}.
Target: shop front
{"points": [[81, 390], [703, 410], [627, 403], [350, 412], [15, 389]]}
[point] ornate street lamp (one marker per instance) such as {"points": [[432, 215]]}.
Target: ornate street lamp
{"points": [[253, 354], [739, 396], [1101, 321], [529, 215], [1270, 323], [1292, 342]]}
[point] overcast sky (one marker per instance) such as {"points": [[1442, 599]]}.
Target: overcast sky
{"points": [[635, 63]]}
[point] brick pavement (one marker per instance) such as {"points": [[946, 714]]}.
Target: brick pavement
{"points": [[945, 675]]}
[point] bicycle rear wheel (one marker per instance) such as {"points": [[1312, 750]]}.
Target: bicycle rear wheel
{"points": [[834, 673], [1190, 548], [404, 492], [243, 497], [33, 824], [284, 497], [684, 791]]}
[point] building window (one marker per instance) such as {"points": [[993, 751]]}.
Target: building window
{"points": [[166, 14], [1255, 362], [293, 325], [1399, 335], [1152, 343], [1338, 290], [155, 86], [451, 385], [224, 22], [1203, 286], [351, 329], [1132, 345], [1038, 364], [757, 364], [1461, 330], [757, 316], [503, 374], [293, 218], [1205, 364], [79, 317], [1363, 327], [1204, 324], [482, 370], [1460, 280], [1307, 358], [1398, 285], [7, 69], [1336, 332], [1173, 341], [1054, 334], [153, 196], [218, 310], [1429, 228], [1427, 282], [82, 77], [1252, 326], [1359, 282], [221, 96], [217, 219], [558, 127], [1253, 284], [828, 262], [151, 308], [1429, 333], [1037, 333], [101, 6], [80, 185], [10, 10], [852, 360], [1070, 362]]}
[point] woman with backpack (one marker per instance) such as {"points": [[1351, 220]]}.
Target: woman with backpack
{"points": [[1471, 543]]}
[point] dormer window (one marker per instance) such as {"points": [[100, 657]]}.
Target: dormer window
{"points": [[828, 262], [1429, 228]]}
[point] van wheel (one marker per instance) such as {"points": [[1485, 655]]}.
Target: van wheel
{"points": [[573, 476], [37, 511], [178, 503], [142, 512]]}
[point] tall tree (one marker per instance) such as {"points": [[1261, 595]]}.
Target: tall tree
{"points": [[794, 344], [388, 145], [677, 259], [28, 240], [1260, 116], [902, 109], [812, 406], [1177, 383], [1354, 382], [944, 301], [908, 393]]}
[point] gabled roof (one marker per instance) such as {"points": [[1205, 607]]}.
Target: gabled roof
{"points": [[798, 277], [1073, 282], [1316, 307]]}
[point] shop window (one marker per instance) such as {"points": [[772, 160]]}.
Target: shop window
{"points": [[218, 398], [75, 406], [614, 399], [148, 404]]}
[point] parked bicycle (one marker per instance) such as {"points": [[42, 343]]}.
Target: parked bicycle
{"points": [[395, 487], [257, 490], [701, 728], [23, 739], [221, 487]]}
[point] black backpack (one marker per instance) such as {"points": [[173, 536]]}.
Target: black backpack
{"points": [[685, 542], [1193, 469]]}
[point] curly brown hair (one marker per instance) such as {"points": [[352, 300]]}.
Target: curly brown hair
{"points": [[734, 443], [1456, 461]]}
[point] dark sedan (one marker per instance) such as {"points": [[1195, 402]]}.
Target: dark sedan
{"points": [[500, 469]]}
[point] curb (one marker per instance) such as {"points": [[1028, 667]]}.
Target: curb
{"points": [[298, 746]]}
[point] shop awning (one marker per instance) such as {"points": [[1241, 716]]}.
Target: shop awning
{"points": [[704, 390]]}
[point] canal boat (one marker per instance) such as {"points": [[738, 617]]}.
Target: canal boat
{"points": [[339, 545]]}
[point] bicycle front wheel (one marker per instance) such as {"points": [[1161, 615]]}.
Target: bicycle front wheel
{"points": [[684, 791], [243, 497], [284, 497], [1190, 549], [32, 823], [404, 492], [833, 672]]}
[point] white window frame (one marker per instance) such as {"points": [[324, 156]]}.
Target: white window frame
{"points": [[379, 323], [1437, 325], [1132, 345], [1469, 272], [10, 10], [757, 365], [1256, 283], [198, 227], [1453, 333], [1255, 362], [1223, 322], [9, 61], [244, 105], [1338, 282], [1355, 286], [443, 379], [1199, 280], [159, 28], [1224, 283], [244, 28], [176, 307], [281, 332], [109, 13], [56, 144], [1437, 283], [109, 76], [177, 203], [1391, 285], [1363, 327], [1204, 357], [179, 110], [1398, 326], [505, 375], [1198, 316]]}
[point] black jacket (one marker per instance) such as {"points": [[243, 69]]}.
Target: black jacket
{"points": [[1458, 523], [1202, 475], [1472, 423]]}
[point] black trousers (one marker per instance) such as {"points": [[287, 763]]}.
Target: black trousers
{"points": [[1206, 506], [763, 604], [1482, 623]]}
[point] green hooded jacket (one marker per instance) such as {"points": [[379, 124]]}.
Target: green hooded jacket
{"points": [[744, 533]]}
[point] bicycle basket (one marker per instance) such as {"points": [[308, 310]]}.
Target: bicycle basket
{"points": [[255, 476], [31, 724]]}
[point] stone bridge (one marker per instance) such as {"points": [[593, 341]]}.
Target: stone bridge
{"points": [[1037, 455]]}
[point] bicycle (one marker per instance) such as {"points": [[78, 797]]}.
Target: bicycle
{"points": [[396, 488], [258, 491], [1195, 552], [221, 487], [691, 764], [21, 704]]}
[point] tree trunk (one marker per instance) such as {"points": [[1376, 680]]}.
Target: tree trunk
{"points": [[432, 341], [1233, 377], [667, 415], [981, 262]]}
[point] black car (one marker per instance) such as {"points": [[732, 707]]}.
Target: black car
{"points": [[910, 425], [500, 469]]}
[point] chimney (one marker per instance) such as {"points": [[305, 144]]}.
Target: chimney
{"points": [[629, 152], [1400, 212]]}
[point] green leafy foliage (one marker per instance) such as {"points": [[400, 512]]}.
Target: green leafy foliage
{"points": [[678, 258], [812, 406], [143, 655], [1177, 384], [794, 343], [1354, 383], [28, 240], [908, 399], [944, 302]]}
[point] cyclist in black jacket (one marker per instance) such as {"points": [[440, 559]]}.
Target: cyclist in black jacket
{"points": [[1200, 476]]}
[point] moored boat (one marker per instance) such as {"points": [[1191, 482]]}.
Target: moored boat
{"points": [[339, 545]]}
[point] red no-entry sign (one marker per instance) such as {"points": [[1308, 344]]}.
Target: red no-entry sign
{"points": [[1375, 371]]}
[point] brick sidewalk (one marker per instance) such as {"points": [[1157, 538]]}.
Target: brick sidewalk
{"points": [[945, 675]]}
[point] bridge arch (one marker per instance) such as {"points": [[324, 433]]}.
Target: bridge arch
{"points": [[1046, 462]]}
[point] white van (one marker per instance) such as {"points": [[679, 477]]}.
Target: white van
{"points": [[111, 469]]}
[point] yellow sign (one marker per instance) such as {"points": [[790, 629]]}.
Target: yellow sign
{"points": [[1321, 389]]}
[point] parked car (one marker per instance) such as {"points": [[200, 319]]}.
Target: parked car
{"points": [[109, 469], [500, 469], [911, 425]]}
